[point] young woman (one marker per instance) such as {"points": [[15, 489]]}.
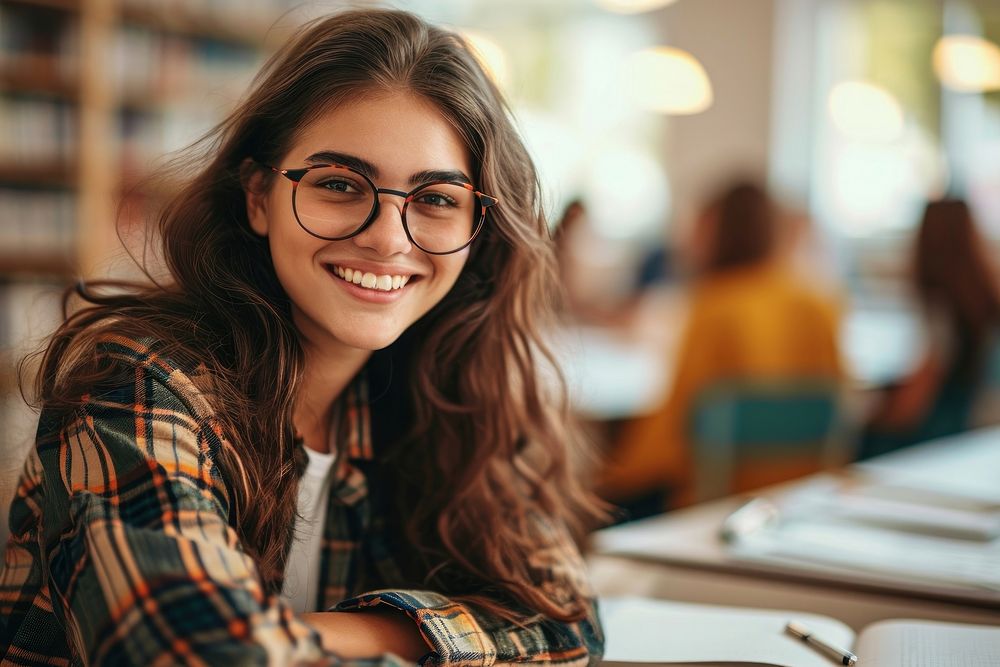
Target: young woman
{"points": [[325, 438], [954, 384]]}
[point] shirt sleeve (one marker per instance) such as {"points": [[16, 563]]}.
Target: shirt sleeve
{"points": [[141, 563], [465, 635]]}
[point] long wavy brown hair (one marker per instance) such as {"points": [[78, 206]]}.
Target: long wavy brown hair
{"points": [[481, 452], [953, 272]]}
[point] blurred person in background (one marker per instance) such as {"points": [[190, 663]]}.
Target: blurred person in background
{"points": [[810, 253], [567, 237], [593, 290], [750, 317], [605, 287], [954, 384]]}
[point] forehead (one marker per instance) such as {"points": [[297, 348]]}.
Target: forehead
{"points": [[398, 132]]}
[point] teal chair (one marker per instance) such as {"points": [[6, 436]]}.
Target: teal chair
{"points": [[746, 434]]}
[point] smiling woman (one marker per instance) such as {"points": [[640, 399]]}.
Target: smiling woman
{"points": [[401, 139], [325, 439]]}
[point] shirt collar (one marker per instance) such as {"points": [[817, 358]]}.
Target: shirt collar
{"points": [[357, 421]]}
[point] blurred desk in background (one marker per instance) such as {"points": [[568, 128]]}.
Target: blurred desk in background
{"points": [[609, 377], [680, 555], [612, 376], [962, 466]]}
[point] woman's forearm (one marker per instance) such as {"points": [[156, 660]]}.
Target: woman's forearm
{"points": [[368, 633]]}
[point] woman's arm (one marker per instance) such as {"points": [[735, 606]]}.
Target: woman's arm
{"points": [[462, 634], [910, 401], [123, 526], [379, 630], [466, 634]]}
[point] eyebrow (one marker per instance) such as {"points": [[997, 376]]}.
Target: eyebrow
{"points": [[372, 172]]}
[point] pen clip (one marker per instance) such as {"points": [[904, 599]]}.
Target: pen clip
{"points": [[748, 518]]}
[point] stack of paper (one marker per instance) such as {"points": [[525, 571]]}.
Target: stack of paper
{"points": [[931, 536]]}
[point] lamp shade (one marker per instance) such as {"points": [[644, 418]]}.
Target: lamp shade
{"points": [[865, 112], [967, 63], [669, 80], [632, 6]]}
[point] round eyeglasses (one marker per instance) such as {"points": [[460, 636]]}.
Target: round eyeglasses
{"points": [[335, 202]]}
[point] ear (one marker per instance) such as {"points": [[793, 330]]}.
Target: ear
{"points": [[256, 192]]}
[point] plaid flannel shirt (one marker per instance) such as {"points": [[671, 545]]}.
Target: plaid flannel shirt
{"points": [[122, 550]]}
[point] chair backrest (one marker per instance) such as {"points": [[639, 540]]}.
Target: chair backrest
{"points": [[991, 362], [984, 402], [747, 434]]}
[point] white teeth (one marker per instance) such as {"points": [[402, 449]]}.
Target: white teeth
{"points": [[384, 283]]}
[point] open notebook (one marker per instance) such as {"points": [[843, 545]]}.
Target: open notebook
{"points": [[656, 632]]}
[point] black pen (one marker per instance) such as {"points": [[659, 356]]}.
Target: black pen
{"points": [[841, 656]]}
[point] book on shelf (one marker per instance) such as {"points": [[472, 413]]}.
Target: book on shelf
{"points": [[36, 223], [641, 631]]}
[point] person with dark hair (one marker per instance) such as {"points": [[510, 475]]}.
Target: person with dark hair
{"points": [[737, 229], [327, 436], [955, 286], [576, 300], [750, 318]]}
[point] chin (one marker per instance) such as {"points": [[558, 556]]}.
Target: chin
{"points": [[370, 343]]}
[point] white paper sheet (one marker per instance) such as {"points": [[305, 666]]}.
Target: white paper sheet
{"points": [[900, 643], [641, 630]]}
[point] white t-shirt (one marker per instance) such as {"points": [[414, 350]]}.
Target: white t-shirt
{"points": [[302, 569]]}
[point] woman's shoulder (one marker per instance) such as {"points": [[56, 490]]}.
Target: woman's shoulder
{"points": [[128, 404], [155, 371]]}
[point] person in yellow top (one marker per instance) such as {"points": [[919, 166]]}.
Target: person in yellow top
{"points": [[751, 317]]}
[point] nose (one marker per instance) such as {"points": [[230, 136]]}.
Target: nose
{"points": [[386, 235]]}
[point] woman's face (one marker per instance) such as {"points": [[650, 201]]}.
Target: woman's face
{"points": [[401, 138]]}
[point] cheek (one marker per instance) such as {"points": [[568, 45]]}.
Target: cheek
{"points": [[291, 254], [449, 267]]}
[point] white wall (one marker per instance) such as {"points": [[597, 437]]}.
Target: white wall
{"points": [[734, 42]]}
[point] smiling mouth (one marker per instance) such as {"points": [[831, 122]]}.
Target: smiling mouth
{"points": [[368, 280]]}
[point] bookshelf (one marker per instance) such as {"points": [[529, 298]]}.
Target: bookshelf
{"points": [[92, 94]]}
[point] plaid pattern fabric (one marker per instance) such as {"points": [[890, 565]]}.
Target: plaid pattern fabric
{"points": [[121, 550]]}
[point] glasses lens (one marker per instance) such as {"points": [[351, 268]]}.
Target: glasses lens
{"points": [[333, 202], [442, 217]]}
